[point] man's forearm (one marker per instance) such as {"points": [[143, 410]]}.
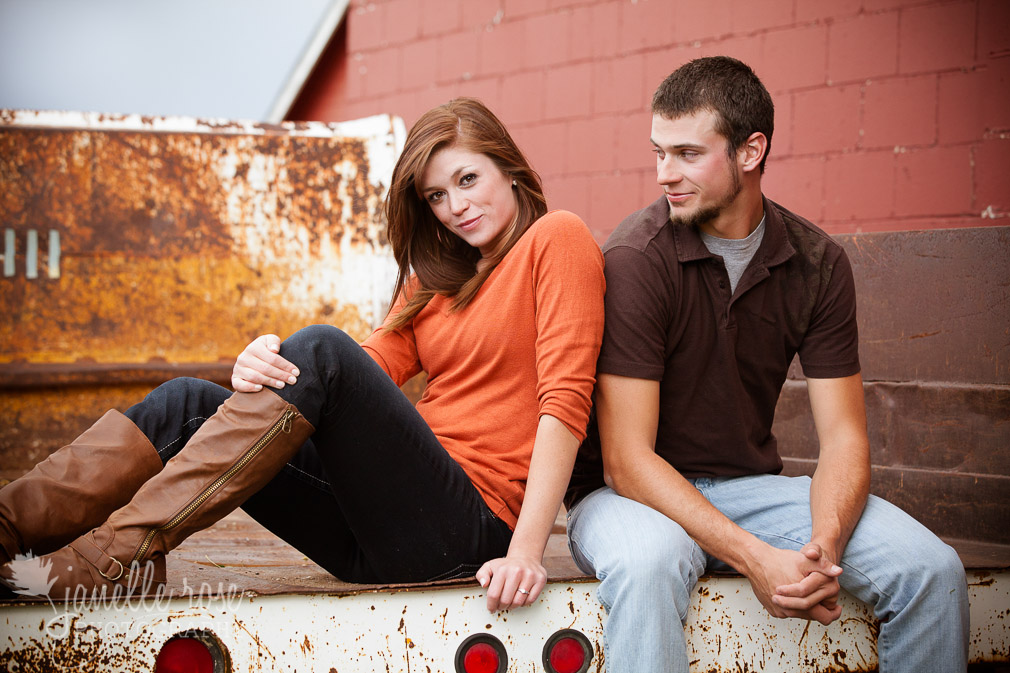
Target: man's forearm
{"points": [[838, 494], [652, 481], [841, 482]]}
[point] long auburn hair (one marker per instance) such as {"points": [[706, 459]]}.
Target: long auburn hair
{"points": [[444, 263]]}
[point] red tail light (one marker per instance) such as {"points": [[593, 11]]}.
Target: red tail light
{"points": [[193, 652], [481, 653], [567, 651], [184, 655]]}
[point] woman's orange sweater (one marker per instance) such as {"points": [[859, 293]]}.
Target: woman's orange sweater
{"points": [[524, 347]]}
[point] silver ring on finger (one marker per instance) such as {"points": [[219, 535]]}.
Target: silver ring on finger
{"points": [[524, 592]]}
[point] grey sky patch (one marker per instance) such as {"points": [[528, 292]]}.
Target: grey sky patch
{"points": [[201, 58]]}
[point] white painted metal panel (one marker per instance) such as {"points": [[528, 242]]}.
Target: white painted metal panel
{"points": [[419, 630]]}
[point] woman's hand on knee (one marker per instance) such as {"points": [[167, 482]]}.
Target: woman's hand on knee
{"points": [[260, 365], [511, 582]]}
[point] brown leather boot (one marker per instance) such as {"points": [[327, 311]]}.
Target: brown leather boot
{"points": [[233, 454], [76, 488]]}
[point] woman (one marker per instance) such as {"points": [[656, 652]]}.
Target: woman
{"points": [[498, 301]]}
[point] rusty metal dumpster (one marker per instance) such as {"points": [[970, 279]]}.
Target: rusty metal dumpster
{"points": [[136, 249]]}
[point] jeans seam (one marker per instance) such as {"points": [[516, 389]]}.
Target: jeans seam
{"points": [[573, 544], [165, 448], [453, 573], [322, 484], [582, 552]]}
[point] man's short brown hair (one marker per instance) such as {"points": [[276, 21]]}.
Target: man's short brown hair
{"points": [[727, 87]]}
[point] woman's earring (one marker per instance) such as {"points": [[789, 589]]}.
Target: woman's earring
{"points": [[514, 183]]}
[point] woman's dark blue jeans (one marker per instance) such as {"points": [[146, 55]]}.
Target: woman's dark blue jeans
{"points": [[372, 496]]}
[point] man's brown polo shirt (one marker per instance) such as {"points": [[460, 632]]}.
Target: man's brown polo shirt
{"points": [[721, 360]]}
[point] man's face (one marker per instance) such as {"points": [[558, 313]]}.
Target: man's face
{"points": [[694, 169]]}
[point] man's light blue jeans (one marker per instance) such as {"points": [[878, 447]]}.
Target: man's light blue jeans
{"points": [[648, 566]]}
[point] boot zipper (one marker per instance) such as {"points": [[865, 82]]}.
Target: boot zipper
{"points": [[282, 425]]}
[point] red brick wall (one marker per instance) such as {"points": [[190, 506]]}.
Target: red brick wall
{"points": [[891, 114]]}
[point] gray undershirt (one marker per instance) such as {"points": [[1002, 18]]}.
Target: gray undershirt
{"points": [[736, 253]]}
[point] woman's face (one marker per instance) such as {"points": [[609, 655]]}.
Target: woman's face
{"points": [[470, 196]]}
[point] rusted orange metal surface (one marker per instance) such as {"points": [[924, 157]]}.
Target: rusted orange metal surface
{"points": [[136, 249]]}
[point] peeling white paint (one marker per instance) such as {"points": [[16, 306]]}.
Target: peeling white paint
{"points": [[317, 263], [420, 629], [377, 130]]}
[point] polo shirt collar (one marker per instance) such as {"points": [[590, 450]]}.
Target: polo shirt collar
{"points": [[775, 246]]}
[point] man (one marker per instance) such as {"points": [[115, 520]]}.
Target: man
{"points": [[711, 291]]}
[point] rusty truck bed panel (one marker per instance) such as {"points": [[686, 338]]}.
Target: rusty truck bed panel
{"points": [[137, 249], [274, 610], [356, 628], [164, 231]]}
